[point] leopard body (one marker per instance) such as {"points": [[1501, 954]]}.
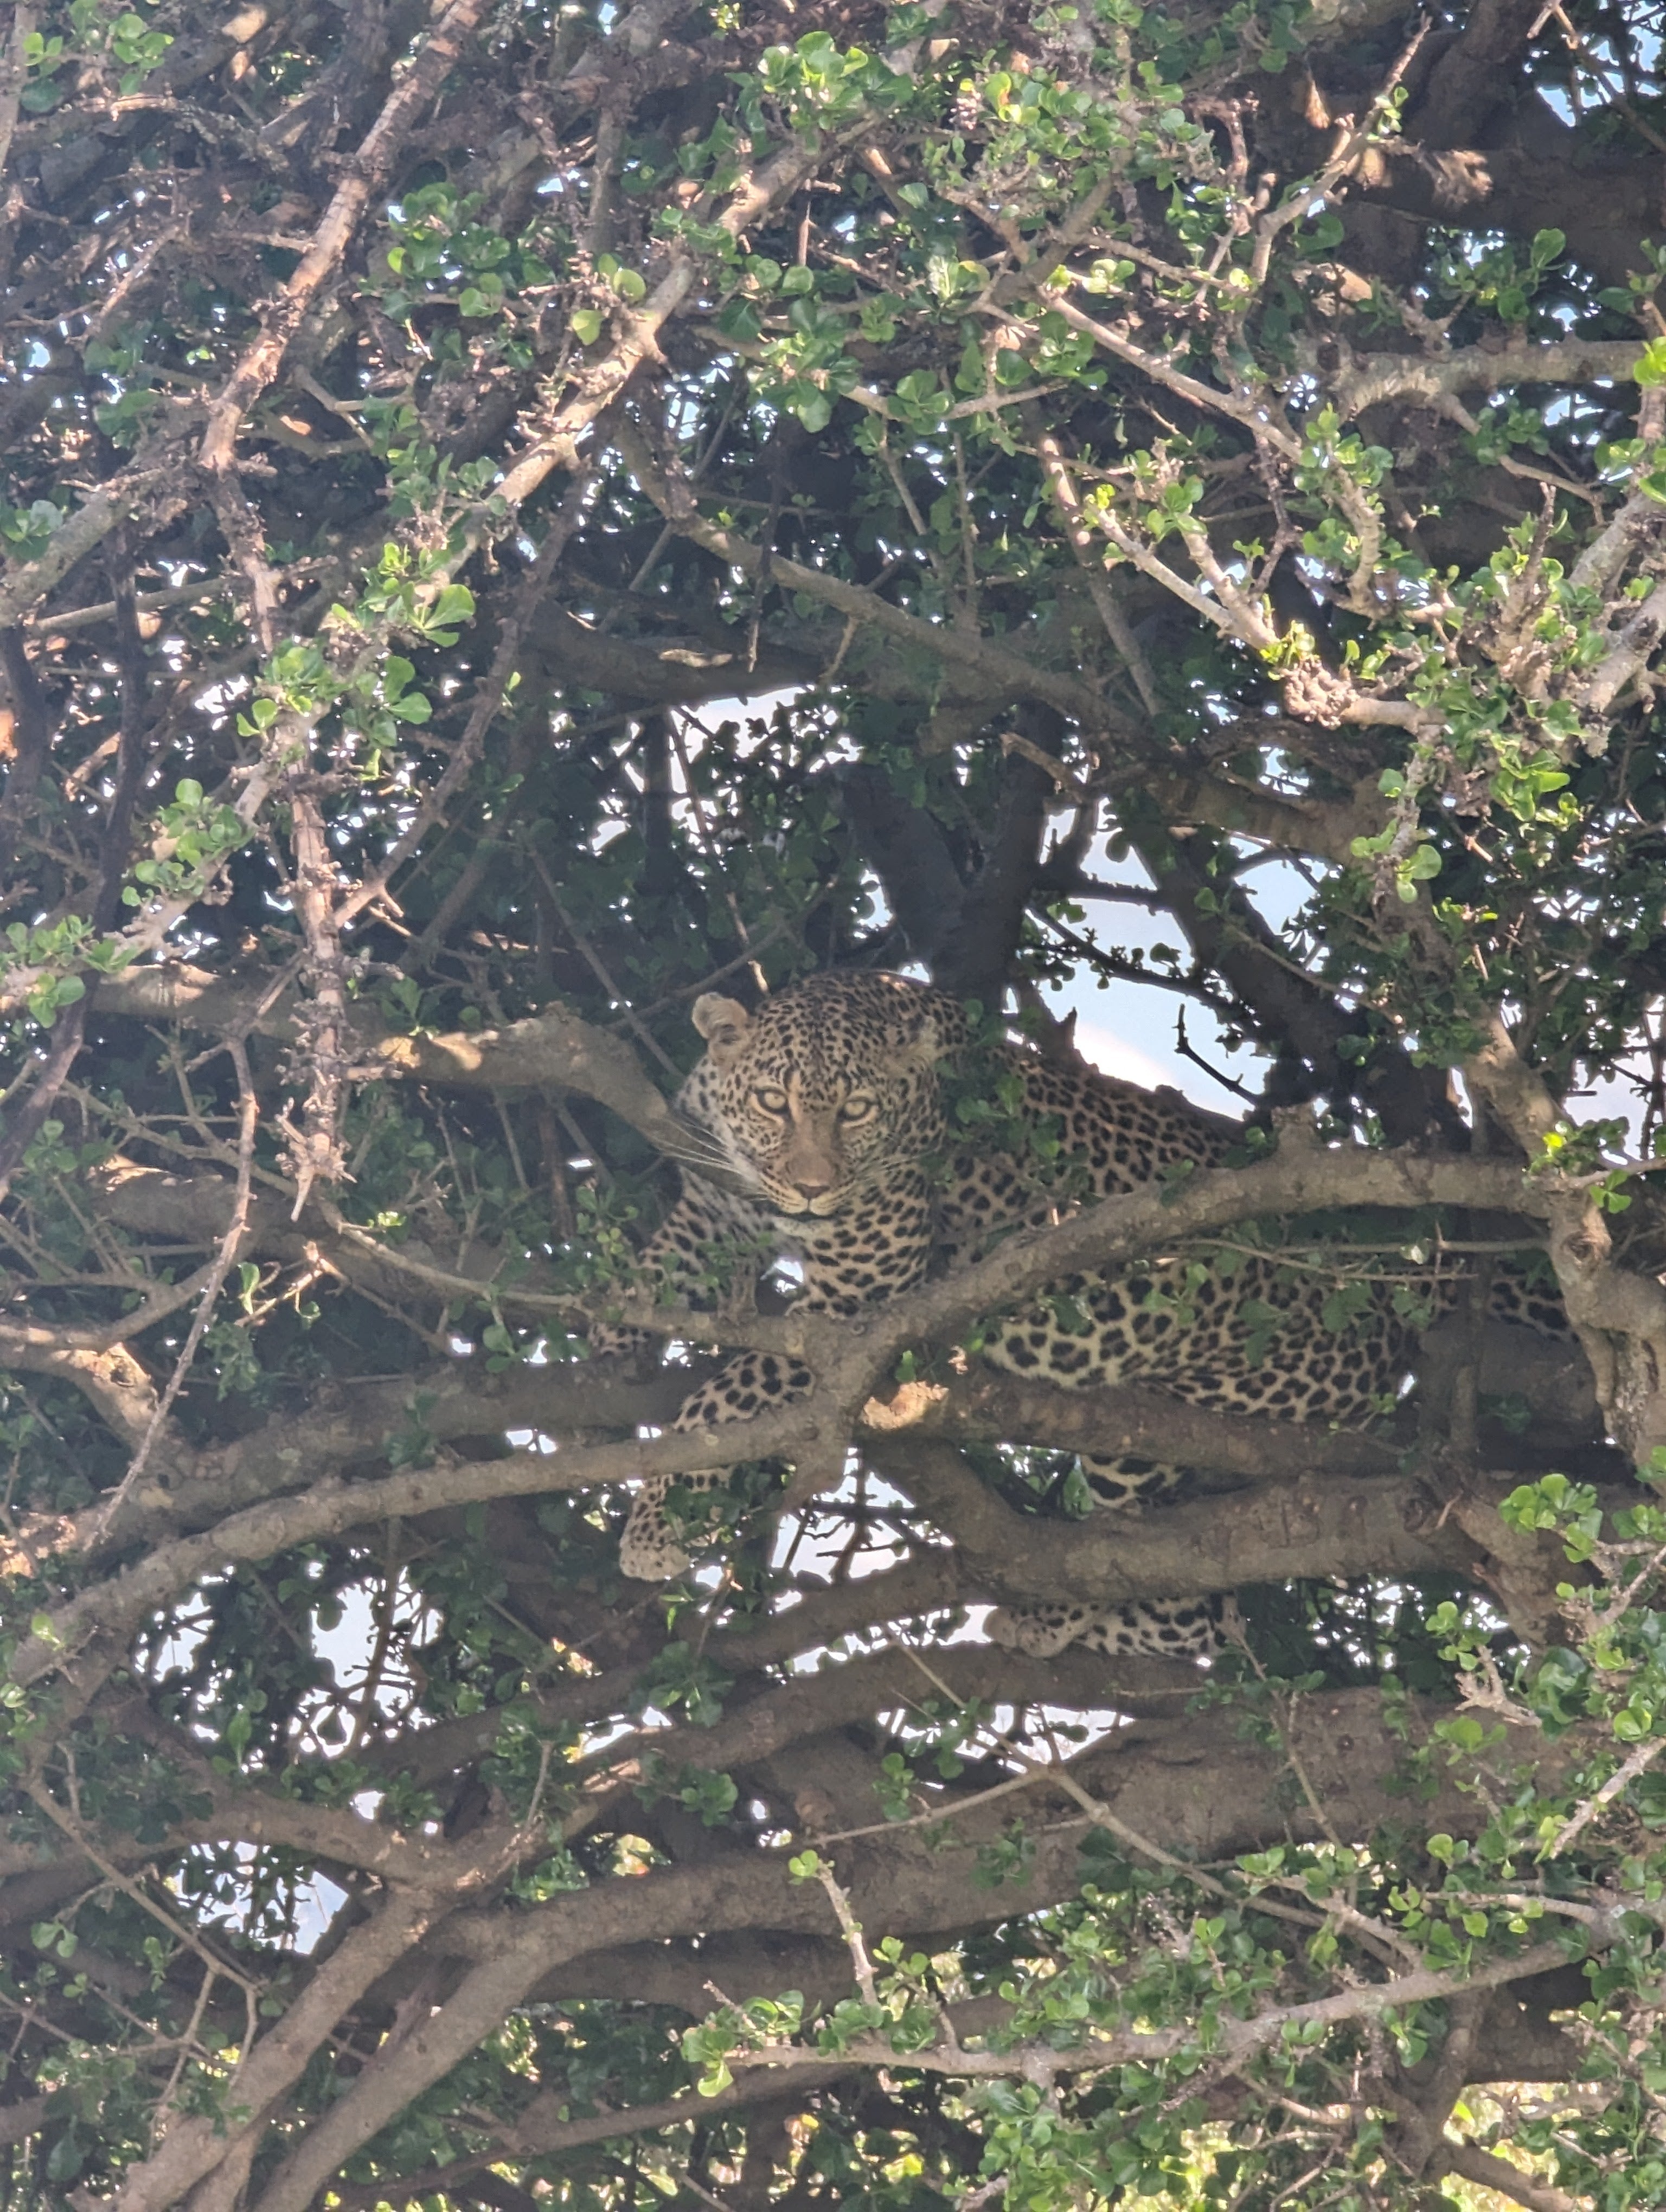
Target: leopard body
{"points": [[826, 1109]]}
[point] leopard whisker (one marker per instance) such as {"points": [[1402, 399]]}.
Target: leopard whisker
{"points": [[711, 1157], [697, 1141]]}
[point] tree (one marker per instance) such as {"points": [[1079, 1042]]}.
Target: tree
{"points": [[515, 516]]}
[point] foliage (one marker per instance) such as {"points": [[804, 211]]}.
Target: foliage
{"points": [[511, 517]]}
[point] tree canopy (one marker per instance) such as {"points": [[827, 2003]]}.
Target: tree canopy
{"points": [[514, 515]]}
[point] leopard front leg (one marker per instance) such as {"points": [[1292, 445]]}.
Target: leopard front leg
{"points": [[750, 1383], [867, 1253], [1083, 1337], [677, 1261]]}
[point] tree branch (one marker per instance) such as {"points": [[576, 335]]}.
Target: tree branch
{"points": [[1480, 2165], [1012, 676]]}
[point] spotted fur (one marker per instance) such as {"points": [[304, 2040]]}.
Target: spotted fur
{"points": [[825, 1108]]}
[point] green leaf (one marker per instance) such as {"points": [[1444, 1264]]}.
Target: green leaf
{"points": [[67, 2155], [1650, 368]]}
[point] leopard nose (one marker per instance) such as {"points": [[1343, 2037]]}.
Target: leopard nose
{"points": [[808, 1188]]}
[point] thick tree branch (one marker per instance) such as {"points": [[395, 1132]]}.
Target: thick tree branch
{"points": [[850, 1358], [1475, 75], [1276, 1532], [1480, 2165], [1620, 1314], [1369, 379], [553, 1050], [193, 2146]]}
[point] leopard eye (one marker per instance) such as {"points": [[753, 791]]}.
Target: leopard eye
{"points": [[770, 1100], [856, 1109]]}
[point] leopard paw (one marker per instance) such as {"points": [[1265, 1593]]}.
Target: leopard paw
{"points": [[649, 1550]]}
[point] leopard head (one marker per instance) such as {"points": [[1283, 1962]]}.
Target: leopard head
{"points": [[827, 1088]]}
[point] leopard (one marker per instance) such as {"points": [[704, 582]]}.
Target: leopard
{"points": [[822, 1118]]}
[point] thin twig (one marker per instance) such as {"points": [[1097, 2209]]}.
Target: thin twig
{"points": [[851, 1928], [598, 968], [248, 1113], [1576, 1824], [487, 702]]}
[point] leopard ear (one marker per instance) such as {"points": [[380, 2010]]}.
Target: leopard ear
{"points": [[723, 1022]]}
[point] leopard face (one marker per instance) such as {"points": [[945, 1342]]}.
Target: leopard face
{"points": [[826, 1091]]}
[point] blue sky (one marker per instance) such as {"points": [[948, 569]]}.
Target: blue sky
{"points": [[1128, 1029]]}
